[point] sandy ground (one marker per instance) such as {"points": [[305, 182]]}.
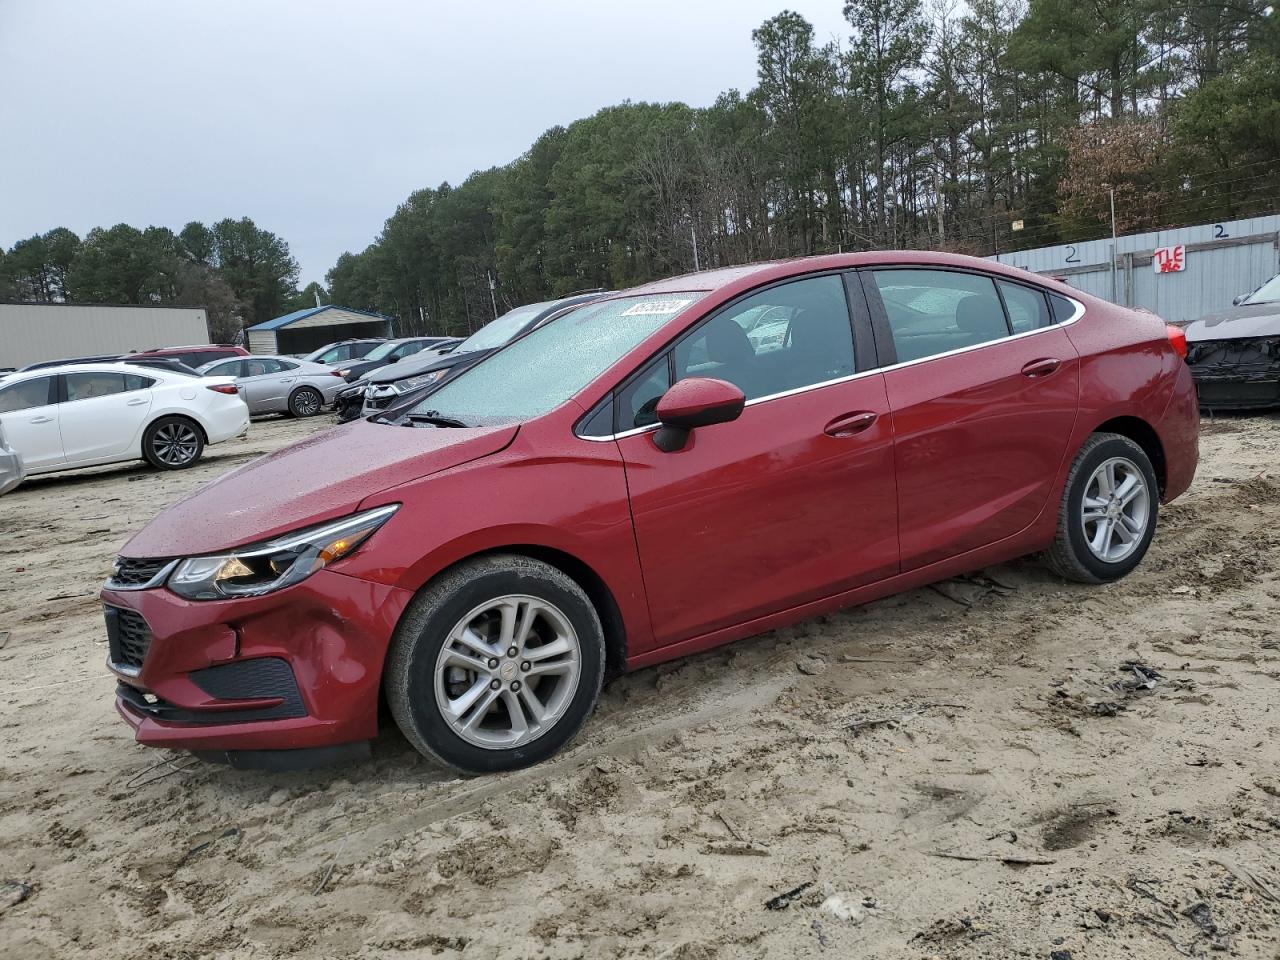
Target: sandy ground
{"points": [[972, 770]]}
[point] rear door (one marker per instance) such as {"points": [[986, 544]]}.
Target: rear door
{"points": [[102, 414], [791, 502], [984, 388], [264, 385], [29, 413]]}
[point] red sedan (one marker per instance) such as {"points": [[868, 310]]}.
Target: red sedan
{"points": [[639, 480]]}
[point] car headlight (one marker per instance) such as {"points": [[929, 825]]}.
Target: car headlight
{"points": [[266, 567], [413, 383]]}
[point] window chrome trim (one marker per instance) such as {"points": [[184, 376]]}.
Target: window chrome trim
{"points": [[1077, 315], [161, 576]]}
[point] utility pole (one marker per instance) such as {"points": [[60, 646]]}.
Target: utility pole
{"points": [[493, 300], [1115, 291], [694, 237]]}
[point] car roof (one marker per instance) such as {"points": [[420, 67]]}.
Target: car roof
{"points": [[750, 273], [121, 367]]}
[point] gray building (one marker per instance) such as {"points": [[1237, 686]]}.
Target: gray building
{"points": [[32, 332], [305, 330], [1222, 261]]}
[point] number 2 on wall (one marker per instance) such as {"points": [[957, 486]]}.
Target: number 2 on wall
{"points": [[1219, 231], [1071, 255]]}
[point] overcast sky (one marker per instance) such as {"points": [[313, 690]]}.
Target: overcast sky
{"points": [[317, 117]]}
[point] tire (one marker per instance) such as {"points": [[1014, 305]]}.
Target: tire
{"points": [[305, 402], [1075, 553], [172, 443], [430, 669]]}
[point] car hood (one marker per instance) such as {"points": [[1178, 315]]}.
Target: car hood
{"points": [[1244, 321], [323, 477], [411, 368]]}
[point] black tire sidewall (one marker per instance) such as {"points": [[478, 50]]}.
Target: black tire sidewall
{"points": [[1114, 447], [293, 398], [149, 436], [426, 717]]}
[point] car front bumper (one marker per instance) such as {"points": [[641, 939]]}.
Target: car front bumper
{"points": [[1241, 374], [12, 471], [294, 670]]}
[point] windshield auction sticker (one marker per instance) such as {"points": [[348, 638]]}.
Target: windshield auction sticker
{"points": [[648, 308]]}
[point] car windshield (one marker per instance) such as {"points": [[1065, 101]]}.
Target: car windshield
{"points": [[553, 362], [498, 332], [1269, 292], [381, 350]]}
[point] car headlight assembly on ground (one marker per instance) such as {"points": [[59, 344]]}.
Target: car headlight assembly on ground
{"points": [[266, 567]]}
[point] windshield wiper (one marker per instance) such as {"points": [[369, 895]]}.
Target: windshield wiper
{"points": [[432, 417]]}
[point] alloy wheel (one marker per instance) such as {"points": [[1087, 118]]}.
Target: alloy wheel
{"points": [[1116, 509], [176, 444], [306, 403], [507, 672]]}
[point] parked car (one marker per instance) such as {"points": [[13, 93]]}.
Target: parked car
{"points": [[162, 363], [12, 471], [194, 356], [390, 351], [343, 350], [85, 415], [280, 384], [386, 386], [1235, 353], [632, 482]]}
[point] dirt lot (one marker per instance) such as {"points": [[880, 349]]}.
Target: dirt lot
{"points": [[975, 770]]}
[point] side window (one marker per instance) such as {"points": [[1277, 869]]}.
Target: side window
{"points": [[1063, 309], [637, 404], [286, 365], [1027, 309], [936, 311], [25, 395], [259, 367], [86, 386], [133, 381], [231, 368], [805, 338], [409, 349]]}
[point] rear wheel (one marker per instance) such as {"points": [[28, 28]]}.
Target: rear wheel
{"points": [[172, 443], [1108, 513], [305, 402], [496, 664]]}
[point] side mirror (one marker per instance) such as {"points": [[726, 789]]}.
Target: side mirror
{"points": [[1237, 300], [695, 402]]}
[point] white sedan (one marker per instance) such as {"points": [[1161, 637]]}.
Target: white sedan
{"points": [[85, 415]]}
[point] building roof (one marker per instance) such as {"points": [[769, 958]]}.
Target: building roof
{"points": [[290, 318]]}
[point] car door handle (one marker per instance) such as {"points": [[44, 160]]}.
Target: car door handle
{"points": [[1042, 367], [136, 402], [42, 419], [850, 423]]}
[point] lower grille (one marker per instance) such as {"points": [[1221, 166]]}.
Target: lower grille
{"points": [[128, 637]]}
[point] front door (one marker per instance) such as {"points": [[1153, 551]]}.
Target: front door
{"points": [[984, 397], [29, 412], [791, 502], [266, 384]]}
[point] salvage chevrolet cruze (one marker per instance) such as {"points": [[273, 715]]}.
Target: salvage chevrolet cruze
{"points": [[638, 480]]}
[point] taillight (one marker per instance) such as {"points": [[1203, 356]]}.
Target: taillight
{"points": [[336, 373], [228, 388], [1177, 337]]}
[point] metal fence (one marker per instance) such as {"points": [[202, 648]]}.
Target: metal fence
{"points": [[1223, 260]]}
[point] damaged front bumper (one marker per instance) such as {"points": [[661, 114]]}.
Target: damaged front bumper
{"points": [[12, 471], [1237, 374]]}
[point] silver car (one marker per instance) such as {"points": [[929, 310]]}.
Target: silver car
{"points": [[11, 469], [280, 384]]}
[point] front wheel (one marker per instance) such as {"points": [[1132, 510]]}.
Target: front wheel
{"points": [[1108, 512], [495, 665], [172, 443]]}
